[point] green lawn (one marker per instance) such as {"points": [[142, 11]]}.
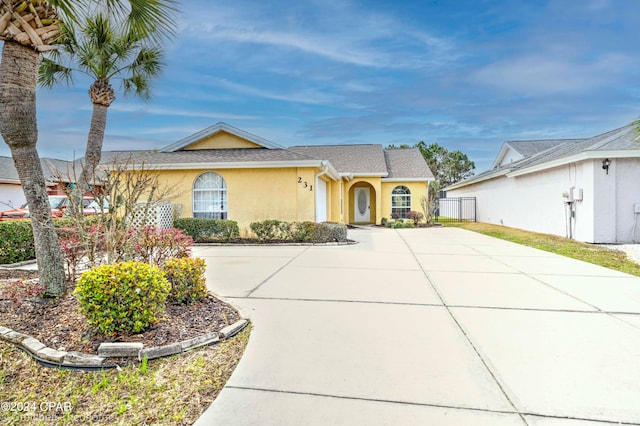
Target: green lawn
{"points": [[592, 253], [167, 391]]}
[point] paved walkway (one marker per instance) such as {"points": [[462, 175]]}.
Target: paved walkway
{"points": [[427, 326]]}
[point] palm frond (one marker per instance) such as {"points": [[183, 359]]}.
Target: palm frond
{"points": [[151, 18], [138, 85], [108, 43], [98, 30], [148, 62], [51, 73], [66, 42], [69, 9]]}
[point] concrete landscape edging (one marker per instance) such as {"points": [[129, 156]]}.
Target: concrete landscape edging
{"points": [[136, 351], [275, 243], [18, 265]]}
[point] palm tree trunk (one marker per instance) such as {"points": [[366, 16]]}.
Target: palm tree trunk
{"points": [[93, 151], [92, 155], [18, 127]]}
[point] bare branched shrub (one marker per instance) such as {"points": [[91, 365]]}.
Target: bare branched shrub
{"points": [[122, 191], [129, 189], [428, 202]]}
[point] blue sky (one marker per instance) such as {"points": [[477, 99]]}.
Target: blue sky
{"points": [[467, 74]]}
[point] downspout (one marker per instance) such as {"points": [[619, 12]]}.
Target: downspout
{"points": [[342, 201], [324, 171]]}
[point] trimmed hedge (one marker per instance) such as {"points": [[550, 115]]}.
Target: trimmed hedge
{"points": [[16, 236], [271, 229], [400, 224], [16, 241], [306, 232], [124, 297], [207, 230]]}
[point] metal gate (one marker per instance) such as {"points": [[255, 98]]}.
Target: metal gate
{"points": [[455, 209]]}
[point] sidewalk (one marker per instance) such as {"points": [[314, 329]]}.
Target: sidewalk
{"points": [[427, 326]]}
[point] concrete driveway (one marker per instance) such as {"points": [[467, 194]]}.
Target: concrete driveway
{"points": [[427, 326]]}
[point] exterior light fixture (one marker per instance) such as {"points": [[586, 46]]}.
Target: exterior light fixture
{"points": [[605, 165]]}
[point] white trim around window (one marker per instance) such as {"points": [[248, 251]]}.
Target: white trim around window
{"points": [[210, 196]]}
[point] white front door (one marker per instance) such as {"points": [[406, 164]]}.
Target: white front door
{"points": [[321, 201], [362, 205]]}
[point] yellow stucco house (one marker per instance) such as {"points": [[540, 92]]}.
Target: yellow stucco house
{"points": [[227, 173]]}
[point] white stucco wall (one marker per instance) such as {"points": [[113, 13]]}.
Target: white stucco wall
{"points": [[611, 199], [534, 201], [604, 207], [626, 174], [11, 196]]}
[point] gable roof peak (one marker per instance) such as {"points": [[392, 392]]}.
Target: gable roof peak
{"points": [[215, 129]]}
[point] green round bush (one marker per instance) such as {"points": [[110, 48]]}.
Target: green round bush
{"points": [[123, 297], [186, 276]]}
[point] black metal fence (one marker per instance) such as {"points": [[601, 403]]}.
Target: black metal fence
{"points": [[455, 209]]}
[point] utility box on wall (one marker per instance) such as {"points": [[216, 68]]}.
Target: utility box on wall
{"points": [[575, 194]]}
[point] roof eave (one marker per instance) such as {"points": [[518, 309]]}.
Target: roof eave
{"points": [[358, 174], [413, 179], [230, 165], [582, 156], [477, 179], [10, 181]]}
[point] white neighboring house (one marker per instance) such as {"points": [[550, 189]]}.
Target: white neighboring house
{"points": [[57, 174], [585, 189], [11, 194]]}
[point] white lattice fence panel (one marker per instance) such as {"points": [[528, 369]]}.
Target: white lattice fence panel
{"points": [[159, 215]]}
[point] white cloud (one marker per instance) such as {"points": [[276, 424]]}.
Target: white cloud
{"points": [[364, 48], [171, 112], [545, 74], [176, 130], [306, 96], [306, 43], [340, 32]]}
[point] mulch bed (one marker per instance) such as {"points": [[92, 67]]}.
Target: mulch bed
{"points": [[58, 324]]}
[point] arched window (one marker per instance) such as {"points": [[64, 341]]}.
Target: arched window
{"points": [[400, 202], [210, 196]]}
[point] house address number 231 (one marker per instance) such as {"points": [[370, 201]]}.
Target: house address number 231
{"points": [[305, 184]]}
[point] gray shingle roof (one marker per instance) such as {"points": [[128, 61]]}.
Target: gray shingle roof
{"points": [[546, 151], [204, 156], [8, 172], [53, 170], [529, 148], [624, 138], [356, 159], [406, 164]]}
